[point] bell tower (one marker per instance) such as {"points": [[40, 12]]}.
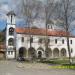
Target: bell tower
{"points": [[10, 35]]}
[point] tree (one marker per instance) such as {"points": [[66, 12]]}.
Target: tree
{"points": [[50, 7], [66, 10], [30, 10], [2, 37]]}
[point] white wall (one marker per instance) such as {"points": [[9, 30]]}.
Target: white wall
{"points": [[52, 44]]}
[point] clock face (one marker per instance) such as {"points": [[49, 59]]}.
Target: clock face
{"points": [[11, 29]]}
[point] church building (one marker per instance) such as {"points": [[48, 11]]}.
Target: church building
{"points": [[30, 42]]}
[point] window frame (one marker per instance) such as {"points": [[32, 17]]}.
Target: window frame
{"points": [[63, 41], [71, 41], [11, 42]]}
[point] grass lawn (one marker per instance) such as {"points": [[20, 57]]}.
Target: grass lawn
{"points": [[60, 63], [63, 61]]}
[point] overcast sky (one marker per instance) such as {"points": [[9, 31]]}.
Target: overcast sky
{"points": [[5, 7]]}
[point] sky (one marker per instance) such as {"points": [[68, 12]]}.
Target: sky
{"points": [[5, 7]]}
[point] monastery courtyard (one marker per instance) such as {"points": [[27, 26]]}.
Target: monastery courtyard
{"points": [[12, 67]]}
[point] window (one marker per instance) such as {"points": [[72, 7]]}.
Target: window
{"points": [[63, 41], [11, 41], [31, 39], [49, 26], [70, 41], [11, 31], [71, 50], [48, 41], [11, 19], [40, 40], [22, 39], [55, 41], [10, 52]]}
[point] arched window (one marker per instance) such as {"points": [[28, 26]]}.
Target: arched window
{"points": [[11, 31], [63, 52], [56, 52], [11, 41]]}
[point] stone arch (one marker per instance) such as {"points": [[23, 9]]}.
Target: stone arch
{"points": [[56, 52], [63, 52], [22, 52], [40, 52], [31, 52], [40, 48], [48, 52]]}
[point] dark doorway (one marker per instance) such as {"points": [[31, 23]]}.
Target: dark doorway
{"points": [[39, 55], [21, 52]]}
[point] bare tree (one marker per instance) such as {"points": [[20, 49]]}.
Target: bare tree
{"points": [[66, 10], [66, 6], [30, 10], [49, 11], [62, 9], [27, 10]]}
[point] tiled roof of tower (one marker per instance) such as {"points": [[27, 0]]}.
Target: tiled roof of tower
{"points": [[41, 31]]}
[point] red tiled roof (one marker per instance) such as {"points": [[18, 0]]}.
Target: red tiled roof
{"points": [[40, 31]]}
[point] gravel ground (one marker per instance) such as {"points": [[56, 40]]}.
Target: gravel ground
{"points": [[17, 68]]}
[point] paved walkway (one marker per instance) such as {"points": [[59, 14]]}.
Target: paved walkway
{"points": [[33, 65], [16, 68]]}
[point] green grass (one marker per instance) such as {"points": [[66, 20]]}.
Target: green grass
{"points": [[63, 61]]}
